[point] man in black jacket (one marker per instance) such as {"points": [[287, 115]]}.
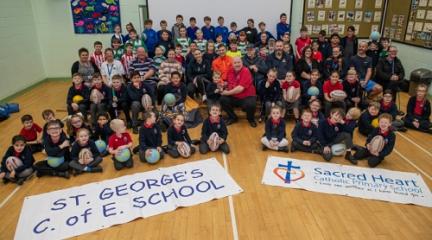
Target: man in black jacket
{"points": [[390, 72], [198, 74], [255, 64]]}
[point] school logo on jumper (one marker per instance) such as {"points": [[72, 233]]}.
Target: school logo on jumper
{"points": [[292, 173]]}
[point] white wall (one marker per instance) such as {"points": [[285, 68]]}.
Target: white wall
{"points": [[20, 56], [238, 11], [58, 42]]}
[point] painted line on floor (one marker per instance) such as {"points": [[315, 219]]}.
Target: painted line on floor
{"points": [[231, 204], [411, 141], [9, 197], [412, 164]]}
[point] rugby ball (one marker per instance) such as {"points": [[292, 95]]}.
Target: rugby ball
{"points": [[291, 94], [146, 102], [377, 144], [13, 163], [96, 96], [184, 149], [214, 142], [338, 149], [338, 95]]}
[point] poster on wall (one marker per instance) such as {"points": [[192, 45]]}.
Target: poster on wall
{"points": [[95, 17]]}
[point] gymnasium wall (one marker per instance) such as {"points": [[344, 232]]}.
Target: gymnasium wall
{"points": [[20, 55], [58, 43]]}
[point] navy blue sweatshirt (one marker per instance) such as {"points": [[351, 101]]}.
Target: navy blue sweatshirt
{"points": [[135, 94], [352, 90], [365, 123], [209, 127], [84, 92], [426, 109], [25, 156], [53, 149], [271, 94], [179, 91], [275, 130], [210, 92], [178, 136], [328, 132], [389, 138], [390, 109], [76, 149], [103, 132], [150, 137], [121, 95], [45, 128], [302, 133]]}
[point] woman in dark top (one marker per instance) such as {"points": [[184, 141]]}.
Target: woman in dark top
{"points": [[305, 65], [84, 66]]}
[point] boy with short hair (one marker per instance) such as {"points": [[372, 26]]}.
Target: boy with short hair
{"points": [[30, 131], [164, 27], [419, 111], [135, 41], [200, 41], [48, 115], [150, 37], [118, 142], [117, 49], [302, 42], [233, 29], [282, 27], [221, 29], [208, 30], [191, 30], [262, 29], [368, 119], [305, 134], [78, 96], [389, 106], [176, 27], [352, 88], [214, 132], [384, 130], [97, 57]]}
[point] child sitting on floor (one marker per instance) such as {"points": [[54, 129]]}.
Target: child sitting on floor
{"points": [[17, 163], [85, 156], [214, 132], [275, 135], [118, 142], [305, 134], [30, 132]]}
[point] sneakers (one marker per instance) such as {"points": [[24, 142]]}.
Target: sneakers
{"points": [[293, 149], [230, 121], [283, 149], [63, 174], [135, 130], [20, 181], [350, 158], [253, 124]]}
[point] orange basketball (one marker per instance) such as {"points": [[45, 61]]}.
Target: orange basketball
{"points": [[377, 144]]}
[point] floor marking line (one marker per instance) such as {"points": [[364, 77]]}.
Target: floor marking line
{"points": [[411, 141], [231, 205], [412, 164], [9, 197]]}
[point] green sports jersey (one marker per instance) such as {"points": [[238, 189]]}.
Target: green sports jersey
{"points": [[241, 46], [136, 44], [158, 60], [118, 53], [184, 43], [201, 44]]}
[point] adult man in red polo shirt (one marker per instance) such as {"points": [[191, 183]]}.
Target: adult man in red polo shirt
{"points": [[240, 92]]}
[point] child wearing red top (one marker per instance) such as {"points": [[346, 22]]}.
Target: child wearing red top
{"points": [[419, 111], [30, 132], [329, 86], [118, 142], [302, 42], [316, 54], [294, 102], [97, 56]]}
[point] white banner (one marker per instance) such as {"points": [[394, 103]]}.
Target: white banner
{"points": [[369, 183], [74, 211]]}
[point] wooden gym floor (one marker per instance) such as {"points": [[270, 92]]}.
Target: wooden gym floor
{"points": [[260, 212]]}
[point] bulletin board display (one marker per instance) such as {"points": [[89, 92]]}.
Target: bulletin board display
{"points": [[409, 22], [336, 15]]}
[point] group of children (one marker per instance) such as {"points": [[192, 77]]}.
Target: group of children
{"points": [[323, 118]]}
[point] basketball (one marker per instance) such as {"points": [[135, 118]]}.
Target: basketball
{"points": [[338, 149], [313, 91], [375, 36], [55, 161], [339, 95], [13, 163], [375, 123], [184, 150], [101, 145], [153, 157], [123, 155], [77, 99], [214, 142], [377, 144], [96, 96], [292, 93], [354, 113], [146, 102], [169, 99]]}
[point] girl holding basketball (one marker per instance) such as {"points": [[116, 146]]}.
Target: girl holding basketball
{"points": [[275, 135], [119, 145], [57, 148], [379, 143], [150, 138], [85, 156], [17, 163], [214, 132], [179, 141]]}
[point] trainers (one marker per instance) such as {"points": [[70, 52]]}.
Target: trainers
{"points": [[20, 181], [283, 149], [136, 149], [350, 158], [260, 120], [402, 129], [293, 149], [63, 174], [135, 130], [253, 124], [230, 121], [96, 169]]}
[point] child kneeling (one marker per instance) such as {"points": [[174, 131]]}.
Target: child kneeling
{"points": [[150, 137], [214, 132], [376, 155], [85, 156], [275, 136], [119, 145], [17, 163]]}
